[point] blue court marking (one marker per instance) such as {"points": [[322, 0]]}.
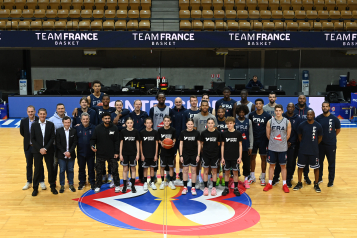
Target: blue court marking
{"points": [[10, 123], [150, 205]]}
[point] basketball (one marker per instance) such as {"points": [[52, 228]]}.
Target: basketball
{"points": [[167, 143]]}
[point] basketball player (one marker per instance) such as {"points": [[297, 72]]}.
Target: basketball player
{"points": [[231, 151], [105, 143], [167, 156], [301, 109], [244, 125], [178, 113], [190, 113], [259, 120], [104, 108], [25, 131], [210, 142], [310, 135], [83, 102], [94, 99], [243, 101], [270, 107], [221, 120], [120, 115], [129, 153], [226, 102], [205, 97], [189, 154], [149, 152], [331, 127], [278, 131]]}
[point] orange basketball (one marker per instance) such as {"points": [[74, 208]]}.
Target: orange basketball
{"points": [[167, 143]]}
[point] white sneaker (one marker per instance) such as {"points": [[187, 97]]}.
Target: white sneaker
{"points": [[145, 186], [197, 186], [110, 178], [153, 187], [162, 185], [43, 186], [117, 189], [262, 182], [210, 184], [111, 184], [251, 180], [27, 186], [97, 190], [171, 185], [128, 184], [261, 177]]}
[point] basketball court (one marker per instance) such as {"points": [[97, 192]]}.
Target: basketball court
{"points": [[166, 213]]}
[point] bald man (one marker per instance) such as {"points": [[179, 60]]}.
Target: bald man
{"points": [[178, 111]]}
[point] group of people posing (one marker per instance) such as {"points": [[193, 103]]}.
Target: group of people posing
{"points": [[213, 139]]}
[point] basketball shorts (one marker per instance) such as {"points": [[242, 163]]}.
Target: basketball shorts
{"points": [[129, 160], [274, 156], [231, 164], [167, 161], [312, 160], [189, 161], [213, 163], [260, 145], [149, 162]]}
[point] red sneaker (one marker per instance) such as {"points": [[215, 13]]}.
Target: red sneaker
{"points": [[285, 188], [267, 187]]}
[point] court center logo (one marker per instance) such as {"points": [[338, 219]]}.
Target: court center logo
{"points": [[170, 212]]}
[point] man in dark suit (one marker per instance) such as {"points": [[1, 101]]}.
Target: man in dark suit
{"points": [[66, 142], [25, 131], [42, 138]]}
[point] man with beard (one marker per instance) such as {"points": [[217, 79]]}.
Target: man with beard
{"points": [[105, 108], [243, 101], [226, 102], [292, 144], [301, 109], [310, 135], [331, 127], [270, 107]]}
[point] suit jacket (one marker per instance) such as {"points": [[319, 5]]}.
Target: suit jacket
{"points": [[25, 132], [61, 142], [37, 138]]}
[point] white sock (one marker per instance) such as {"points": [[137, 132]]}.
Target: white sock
{"points": [[180, 170], [246, 178], [263, 175], [284, 182], [271, 182], [209, 177]]}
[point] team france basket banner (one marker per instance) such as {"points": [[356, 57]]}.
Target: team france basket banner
{"points": [[231, 39], [18, 104]]}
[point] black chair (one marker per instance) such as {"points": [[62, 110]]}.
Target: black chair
{"points": [[198, 87], [239, 87], [218, 86], [82, 86], [53, 85]]}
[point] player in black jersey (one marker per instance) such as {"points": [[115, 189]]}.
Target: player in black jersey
{"points": [[149, 151], [129, 152], [210, 142]]}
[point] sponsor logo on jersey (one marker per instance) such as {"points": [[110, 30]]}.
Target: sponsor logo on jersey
{"points": [[111, 132], [166, 136], [231, 139], [313, 133], [330, 125], [244, 136], [211, 139], [149, 138], [189, 138], [278, 137], [129, 138]]}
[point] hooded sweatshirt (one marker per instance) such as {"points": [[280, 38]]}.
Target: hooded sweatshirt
{"points": [[302, 112], [177, 119], [295, 121], [57, 120]]}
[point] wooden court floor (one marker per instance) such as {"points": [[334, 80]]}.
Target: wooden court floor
{"points": [[304, 213]]}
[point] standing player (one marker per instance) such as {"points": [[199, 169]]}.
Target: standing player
{"points": [[210, 142], [221, 120], [120, 115], [190, 113], [259, 119], [278, 131], [149, 151], [104, 108], [178, 113], [189, 154], [83, 102], [231, 151], [331, 127], [105, 143], [129, 153], [310, 135], [226, 102], [205, 97], [244, 125], [167, 156], [243, 101], [270, 107]]}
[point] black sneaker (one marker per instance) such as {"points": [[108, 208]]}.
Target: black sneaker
{"points": [[62, 189], [225, 191], [275, 182], [236, 192], [307, 180], [92, 186], [71, 188], [298, 186], [181, 176], [317, 188], [330, 184], [80, 187], [133, 189], [34, 193], [288, 183], [124, 189], [320, 181]]}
